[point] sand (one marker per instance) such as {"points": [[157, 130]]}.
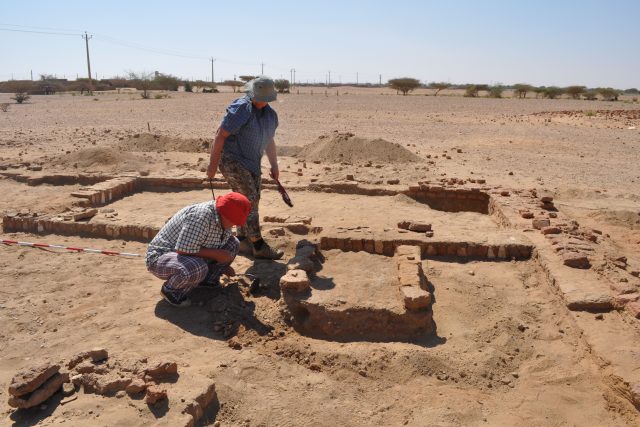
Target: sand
{"points": [[507, 350]]}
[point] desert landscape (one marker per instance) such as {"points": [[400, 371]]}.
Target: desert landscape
{"points": [[405, 207]]}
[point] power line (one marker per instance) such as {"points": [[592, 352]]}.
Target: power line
{"points": [[42, 28], [38, 32]]}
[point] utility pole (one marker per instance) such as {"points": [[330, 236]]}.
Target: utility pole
{"points": [[329, 81], [212, 61], [86, 38], [262, 68], [31, 75], [380, 80], [293, 77], [356, 78]]}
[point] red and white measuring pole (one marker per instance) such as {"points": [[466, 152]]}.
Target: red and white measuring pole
{"points": [[68, 248]]}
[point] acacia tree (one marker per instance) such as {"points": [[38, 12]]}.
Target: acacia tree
{"points": [[282, 85], [521, 89], [404, 84], [439, 86], [553, 92], [142, 81], [471, 91], [590, 95], [608, 94], [496, 91], [575, 91], [233, 83]]}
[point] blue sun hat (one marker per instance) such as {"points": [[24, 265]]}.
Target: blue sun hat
{"points": [[261, 89]]}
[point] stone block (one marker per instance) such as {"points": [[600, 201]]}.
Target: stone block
{"points": [[379, 247], [162, 369], [415, 298], [551, 230], [419, 227], [40, 394], [136, 386], [295, 281], [28, 380], [540, 223], [576, 260], [155, 394], [589, 301], [369, 246], [357, 245]]}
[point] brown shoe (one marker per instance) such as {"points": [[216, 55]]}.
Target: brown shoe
{"points": [[267, 252]]}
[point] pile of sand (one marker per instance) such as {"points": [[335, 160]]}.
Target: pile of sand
{"points": [[346, 147], [146, 142], [99, 159]]}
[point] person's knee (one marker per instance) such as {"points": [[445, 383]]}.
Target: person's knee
{"points": [[192, 275]]}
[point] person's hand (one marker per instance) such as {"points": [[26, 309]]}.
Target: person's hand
{"points": [[211, 171], [275, 172], [229, 271]]}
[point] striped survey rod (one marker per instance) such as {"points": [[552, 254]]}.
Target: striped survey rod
{"points": [[67, 248]]}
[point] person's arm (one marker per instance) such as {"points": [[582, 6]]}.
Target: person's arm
{"points": [[273, 159], [216, 152], [218, 255]]}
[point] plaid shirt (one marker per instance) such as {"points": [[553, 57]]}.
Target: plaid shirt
{"points": [[251, 130], [192, 228]]}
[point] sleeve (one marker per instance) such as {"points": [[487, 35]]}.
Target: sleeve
{"points": [[238, 114], [277, 122], [192, 235]]}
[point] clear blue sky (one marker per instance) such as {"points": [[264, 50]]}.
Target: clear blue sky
{"points": [[542, 42]]}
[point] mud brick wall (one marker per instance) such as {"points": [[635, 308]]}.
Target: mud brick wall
{"points": [[56, 179], [52, 224], [450, 199], [466, 250], [108, 191]]}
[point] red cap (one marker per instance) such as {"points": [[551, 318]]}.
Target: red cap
{"points": [[235, 207]]}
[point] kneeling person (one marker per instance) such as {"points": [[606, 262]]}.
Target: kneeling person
{"points": [[196, 246]]}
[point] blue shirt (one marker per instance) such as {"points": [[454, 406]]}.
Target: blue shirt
{"points": [[250, 129]]}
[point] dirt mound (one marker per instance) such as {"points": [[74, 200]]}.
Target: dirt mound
{"points": [[145, 142], [99, 159], [346, 147]]}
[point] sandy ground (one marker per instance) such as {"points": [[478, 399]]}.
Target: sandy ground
{"points": [[506, 352]]}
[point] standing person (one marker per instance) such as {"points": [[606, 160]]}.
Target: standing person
{"points": [[245, 134], [196, 246]]}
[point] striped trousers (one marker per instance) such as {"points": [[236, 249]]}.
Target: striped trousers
{"points": [[183, 273]]}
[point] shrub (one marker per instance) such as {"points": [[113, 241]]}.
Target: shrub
{"points": [[187, 86], [471, 91], [496, 91], [575, 91], [439, 86], [282, 85], [4, 107], [590, 95], [233, 83], [141, 81], [609, 94], [521, 89], [20, 97], [589, 113], [539, 91], [632, 91], [404, 84], [553, 92], [165, 82]]}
